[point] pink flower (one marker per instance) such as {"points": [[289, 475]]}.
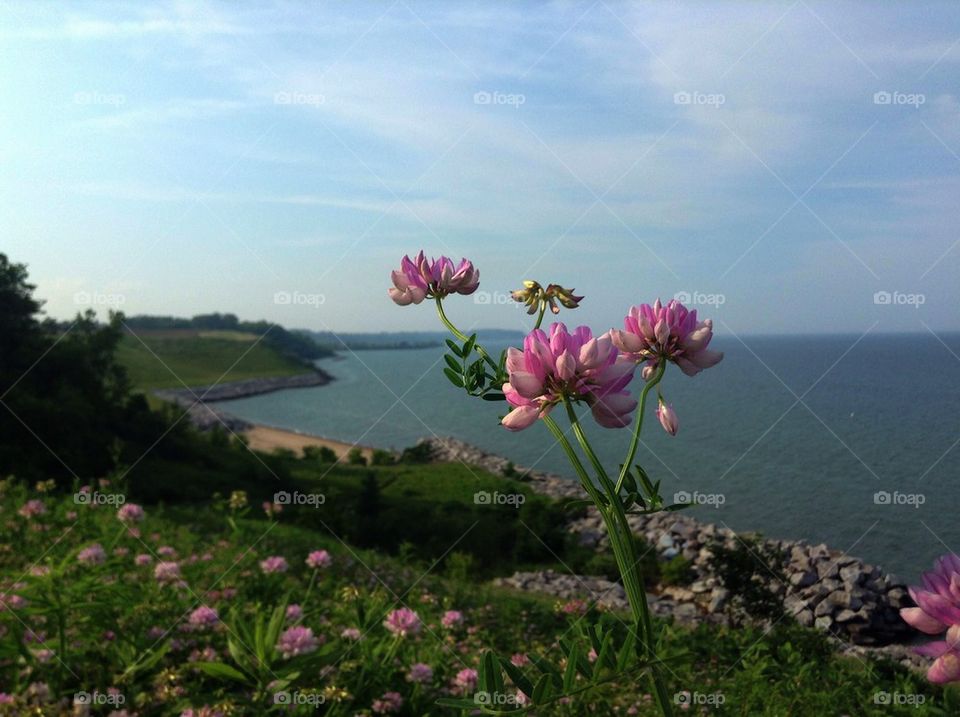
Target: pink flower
{"points": [[403, 622], [165, 551], [204, 616], [420, 673], [294, 612], [166, 572], [272, 509], [938, 609], [297, 640], [564, 365], [351, 633], [143, 559], [130, 513], [519, 659], [452, 619], [92, 555], [319, 559], [32, 508], [422, 278], [656, 333], [274, 564], [466, 680], [390, 703], [668, 418]]}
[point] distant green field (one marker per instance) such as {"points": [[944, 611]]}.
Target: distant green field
{"points": [[199, 358]]}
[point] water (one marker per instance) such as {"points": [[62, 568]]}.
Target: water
{"points": [[797, 434]]}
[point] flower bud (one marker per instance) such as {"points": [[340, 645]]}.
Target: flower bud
{"points": [[566, 297], [668, 418]]}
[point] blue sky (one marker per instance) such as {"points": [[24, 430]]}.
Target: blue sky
{"points": [[190, 157]]}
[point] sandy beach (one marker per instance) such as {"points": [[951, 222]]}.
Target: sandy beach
{"points": [[266, 439]]}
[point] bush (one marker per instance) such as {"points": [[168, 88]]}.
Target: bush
{"points": [[380, 457], [747, 570], [355, 457], [320, 454], [676, 571], [420, 453]]}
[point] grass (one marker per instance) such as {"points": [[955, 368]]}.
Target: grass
{"points": [[162, 359]]}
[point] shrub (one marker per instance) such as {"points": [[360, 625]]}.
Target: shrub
{"points": [[355, 457]]}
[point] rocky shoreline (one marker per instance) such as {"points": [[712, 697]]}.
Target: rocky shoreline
{"points": [[855, 602], [205, 418]]}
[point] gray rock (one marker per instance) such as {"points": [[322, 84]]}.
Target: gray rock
{"points": [[803, 579]]}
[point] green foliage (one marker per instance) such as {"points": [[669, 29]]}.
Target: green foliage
{"points": [[419, 453], [380, 457], [319, 454], [355, 457], [676, 571]]}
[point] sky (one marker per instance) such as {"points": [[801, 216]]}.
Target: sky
{"points": [[783, 167]]}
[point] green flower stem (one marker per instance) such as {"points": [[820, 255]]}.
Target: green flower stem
{"points": [[625, 553], [543, 310], [638, 424], [463, 337]]}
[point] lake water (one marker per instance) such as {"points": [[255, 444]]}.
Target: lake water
{"points": [[797, 435]]}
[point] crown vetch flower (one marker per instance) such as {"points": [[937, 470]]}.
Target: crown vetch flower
{"points": [[572, 365], [297, 640], [274, 564], [566, 297], [403, 622], [421, 278], [130, 513], [668, 418], [671, 332], [204, 616], [319, 559], [938, 609], [92, 555]]}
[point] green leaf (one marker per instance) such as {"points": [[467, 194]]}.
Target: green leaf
{"points": [[548, 669], [493, 396], [222, 671], [468, 346], [455, 378], [516, 674], [626, 650], [455, 348], [488, 673], [453, 363], [457, 704], [541, 691], [605, 653], [570, 674]]}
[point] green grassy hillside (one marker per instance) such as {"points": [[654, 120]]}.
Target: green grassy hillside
{"points": [[156, 358]]}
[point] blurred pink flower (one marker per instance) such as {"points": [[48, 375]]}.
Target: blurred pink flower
{"points": [[297, 640], [143, 559], [420, 673], [351, 633], [130, 513], [92, 555], [452, 619], [319, 559], [519, 659], [32, 508], [403, 622], [390, 703], [166, 572], [573, 365], [656, 333], [938, 609], [668, 418], [204, 616], [466, 680], [294, 612], [421, 278], [274, 564]]}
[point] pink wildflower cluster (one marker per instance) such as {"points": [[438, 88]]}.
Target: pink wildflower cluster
{"points": [[938, 610], [319, 559], [297, 640], [421, 278], [274, 564], [390, 703], [403, 622]]}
